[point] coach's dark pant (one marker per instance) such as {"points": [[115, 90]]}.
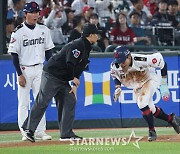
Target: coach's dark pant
{"points": [[53, 87]]}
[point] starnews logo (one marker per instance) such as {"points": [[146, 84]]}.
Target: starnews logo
{"points": [[104, 144]]}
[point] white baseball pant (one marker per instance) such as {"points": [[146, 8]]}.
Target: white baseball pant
{"points": [[32, 75], [144, 95]]}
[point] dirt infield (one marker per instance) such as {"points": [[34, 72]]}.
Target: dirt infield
{"points": [[162, 138]]}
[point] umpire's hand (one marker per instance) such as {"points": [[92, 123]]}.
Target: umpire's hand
{"points": [[22, 80], [76, 81], [73, 90]]}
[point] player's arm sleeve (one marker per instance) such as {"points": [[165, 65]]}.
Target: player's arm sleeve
{"points": [[164, 70], [114, 75], [156, 60], [48, 54], [48, 42], [14, 45], [15, 60], [117, 82]]}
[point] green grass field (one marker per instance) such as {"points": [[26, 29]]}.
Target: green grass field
{"points": [[160, 146]]}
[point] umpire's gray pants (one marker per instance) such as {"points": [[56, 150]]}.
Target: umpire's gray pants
{"points": [[53, 87]]}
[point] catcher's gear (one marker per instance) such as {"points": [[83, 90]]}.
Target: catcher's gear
{"points": [[117, 93], [164, 89]]}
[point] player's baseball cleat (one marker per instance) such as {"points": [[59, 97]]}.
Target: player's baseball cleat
{"points": [[152, 135], [174, 123], [29, 135], [42, 136], [24, 138], [74, 138]]}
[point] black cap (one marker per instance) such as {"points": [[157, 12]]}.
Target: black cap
{"points": [[90, 29], [134, 13]]}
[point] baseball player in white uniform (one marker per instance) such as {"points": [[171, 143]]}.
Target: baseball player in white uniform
{"points": [[30, 44], [137, 71]]}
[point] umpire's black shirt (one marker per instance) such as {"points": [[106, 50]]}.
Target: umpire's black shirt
{"points": [[71, 61]]}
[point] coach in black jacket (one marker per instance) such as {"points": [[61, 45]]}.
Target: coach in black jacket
{"points": [[63, 67]]}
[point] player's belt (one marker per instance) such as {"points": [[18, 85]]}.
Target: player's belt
{"points": [[31, 65]]}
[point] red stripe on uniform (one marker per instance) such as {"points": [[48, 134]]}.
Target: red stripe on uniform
{"points": [[147, 112], [169, 118], [151, 128], [158, 110]]}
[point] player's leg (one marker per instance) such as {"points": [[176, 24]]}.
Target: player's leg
{"points": [[48, 89], [144, 97], [40, 131], [24, 99], [160, 114]]}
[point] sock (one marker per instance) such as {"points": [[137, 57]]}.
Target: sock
{"points": [[161, 115], [148, 116]]}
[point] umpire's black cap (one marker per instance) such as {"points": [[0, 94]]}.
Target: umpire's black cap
{"points": [[90, 29], [31, 7]]}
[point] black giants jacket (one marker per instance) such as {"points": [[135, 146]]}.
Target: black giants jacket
{"points": [[71, 61]]}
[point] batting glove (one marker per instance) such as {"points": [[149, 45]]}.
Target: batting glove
{"points": [[164, 89], [117, 93]]}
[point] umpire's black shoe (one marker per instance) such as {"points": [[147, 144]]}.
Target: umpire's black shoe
{"points": [[174, 123], [29, 135], [75, 137], [152, 135]]}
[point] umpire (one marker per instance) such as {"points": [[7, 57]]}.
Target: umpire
{"points": [[63, 67]]}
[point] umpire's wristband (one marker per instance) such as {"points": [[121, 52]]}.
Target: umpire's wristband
{"points": [[73, 84]]}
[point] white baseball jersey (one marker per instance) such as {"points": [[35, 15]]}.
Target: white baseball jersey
{"points": [[141, 71], [30, 45]]}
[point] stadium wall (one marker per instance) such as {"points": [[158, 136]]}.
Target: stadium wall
{"points": [[95, 107]]}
